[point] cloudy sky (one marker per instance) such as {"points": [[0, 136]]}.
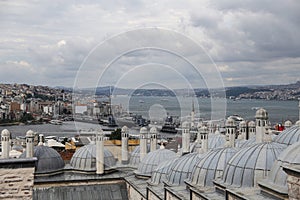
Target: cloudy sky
{"points": [[52, 43]]}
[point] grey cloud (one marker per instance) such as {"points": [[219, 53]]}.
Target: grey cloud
{"points": [[248, 36]]}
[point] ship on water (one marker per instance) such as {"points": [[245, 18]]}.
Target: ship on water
{"points": [[170, 125]]}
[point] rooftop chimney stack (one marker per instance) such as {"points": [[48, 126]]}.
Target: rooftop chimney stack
{"points": [[5, 137], [99, 152], [125, 136], [29, 143], [143, 142]]}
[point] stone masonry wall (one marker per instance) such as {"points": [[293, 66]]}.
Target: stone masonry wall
{"points": [[16, 183], [294, 187]]}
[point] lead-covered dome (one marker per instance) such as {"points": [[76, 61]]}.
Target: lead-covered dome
{"points": [[289, 136], [5, 132], [251, 124], [134, 159], [182, 168], [152, 160], [48, 160], [211, 166], [216, 140], [277, 178], [251, 164], [84, 159], [160, 173], [195, 147], [245, 143], [230, 122], [288, 124], [261, 114], [242, 124]]}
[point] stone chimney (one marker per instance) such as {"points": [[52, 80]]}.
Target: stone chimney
{"points": [[125, 136], [143, 142], [231, 131], [5, 137], [99, 152], [261, 124], [29, 143], [185, 137], [204, 138], [153, 139]]}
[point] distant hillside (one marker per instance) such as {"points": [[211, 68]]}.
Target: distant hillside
{"points": [[236, 91], [276, 92]]}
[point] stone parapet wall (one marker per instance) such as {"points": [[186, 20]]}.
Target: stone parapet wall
{"points": [[16, 178], [16, 183], [294, 187]]}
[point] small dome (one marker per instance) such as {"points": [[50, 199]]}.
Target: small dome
{"points": [[288, 136], [135, 155], [218, 131], [251, 164], [17, 148], [153, 159], [216, 141], [203, 129], [153, 130], [277, 177], [29, 133], [182, 168], [5, 132], [143, 130], [251, 124], [125, 129], [185, 125], [211, 166], [48, 160], [288, 123], [261, 114], [160, 173], [84, 159], [242, 124], [230, 123], [297, 123]]}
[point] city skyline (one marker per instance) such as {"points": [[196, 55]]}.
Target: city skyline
{"points": [[252, 42]]}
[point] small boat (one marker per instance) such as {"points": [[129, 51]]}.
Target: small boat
{"points": [[164, 100], [255, 108], [56, 122], [236, 118], [141, 101]]}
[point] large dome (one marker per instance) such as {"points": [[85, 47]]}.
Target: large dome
{"points": [[289, 136], [134, 159], [153, 159], [48, 160], [278, 178], [182, 168], [195, 147], [251, 164], [84, 159], [160, 173], [245, 143], [211, 166]]}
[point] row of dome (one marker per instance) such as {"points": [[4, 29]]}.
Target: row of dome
{"points": [[247, 165], [49, 160], [241, 166]]}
